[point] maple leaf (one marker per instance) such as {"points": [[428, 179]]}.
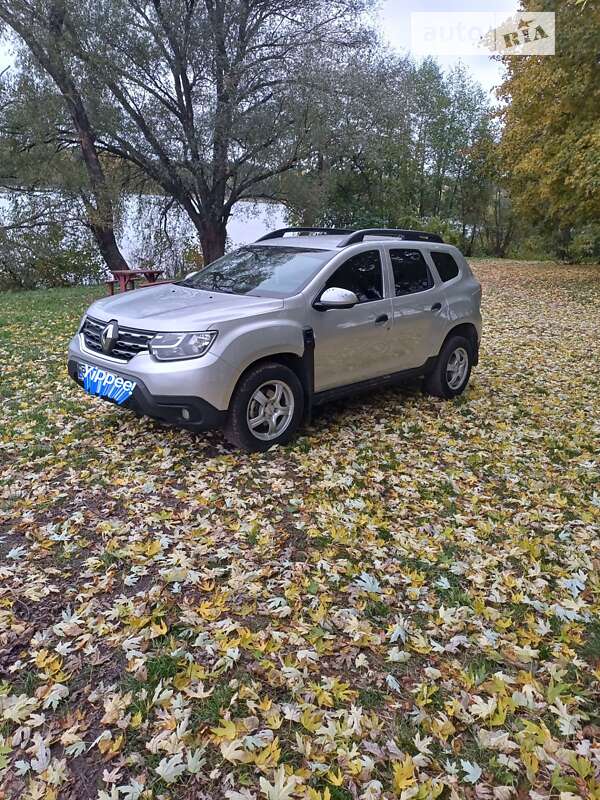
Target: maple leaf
{"points": [[131, 791], [41, 755], [226, 730], [404, 774], [233, 750], [195, 760], [282, 788], [269, 756], [170, 769], [472, 771], [368, 583], [16, 708], [483, 708]]}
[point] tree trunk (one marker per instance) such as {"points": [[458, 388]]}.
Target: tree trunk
{"points": [[563, 242], [101, 217], [213, 235], [471, 241], [104, 236]]}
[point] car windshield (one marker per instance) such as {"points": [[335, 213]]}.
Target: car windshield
{"points": [[260, 271]]}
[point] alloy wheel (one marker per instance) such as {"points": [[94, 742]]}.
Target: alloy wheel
{"points": [[270, 410], [457, 368]]}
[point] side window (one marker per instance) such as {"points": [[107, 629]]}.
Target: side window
{"points": [[411, 273], [362, 275], [445, 265]]}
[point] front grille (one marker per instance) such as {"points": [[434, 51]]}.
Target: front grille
{"points": [[130, 341]]}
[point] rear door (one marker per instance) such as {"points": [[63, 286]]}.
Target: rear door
{"points": [[419, 307], [354, 344]]}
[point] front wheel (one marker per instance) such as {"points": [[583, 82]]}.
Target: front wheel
{"points": [[452, 369], [266, 408]]}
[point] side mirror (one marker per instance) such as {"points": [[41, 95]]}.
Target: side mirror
{"points": [[336, 298]]}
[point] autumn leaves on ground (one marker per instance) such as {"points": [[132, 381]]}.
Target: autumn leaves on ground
{"points": [[404, 602]]}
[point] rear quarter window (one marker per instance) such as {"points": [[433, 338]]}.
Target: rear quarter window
{"points": [[446, 265], [411, 273]]}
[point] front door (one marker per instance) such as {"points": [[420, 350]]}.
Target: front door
{"points": [[354, 344], [419, 309]]}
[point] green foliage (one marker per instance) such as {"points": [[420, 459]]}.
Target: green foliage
{"points": [[47, 256], [430, 169], [585, 244], [550, 149]]}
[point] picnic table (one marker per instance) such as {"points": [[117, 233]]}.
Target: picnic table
{"points": [[126, 278]]}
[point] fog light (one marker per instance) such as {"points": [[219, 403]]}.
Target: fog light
{"points": [[185, 413]]}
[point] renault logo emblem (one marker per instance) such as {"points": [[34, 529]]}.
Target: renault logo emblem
{"points": [[109, 336]]}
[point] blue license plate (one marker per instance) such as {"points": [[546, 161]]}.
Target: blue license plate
{"points": [[103, 383]]}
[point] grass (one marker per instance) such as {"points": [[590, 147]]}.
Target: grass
{"points": [[590, 650], [371, 698], [208, 711]]}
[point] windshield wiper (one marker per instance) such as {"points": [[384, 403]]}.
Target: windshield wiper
{"points": [[213, 288]]}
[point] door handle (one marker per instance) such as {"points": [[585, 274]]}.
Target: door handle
{"points": [[436, 307], [381, 318]]}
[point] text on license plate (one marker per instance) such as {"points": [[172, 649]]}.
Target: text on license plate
{"points": [[104, 383]]}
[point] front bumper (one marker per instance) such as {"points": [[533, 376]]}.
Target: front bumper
{"points": [[193, 393], [211, 377], [185, 411]]}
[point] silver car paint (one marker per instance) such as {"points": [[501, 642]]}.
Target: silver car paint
{"points": [[172, 308], [349, 345]]}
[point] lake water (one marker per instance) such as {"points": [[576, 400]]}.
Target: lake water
{"points": [[247, 223], [139, 238]]}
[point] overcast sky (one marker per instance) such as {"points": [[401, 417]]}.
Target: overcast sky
{"points": [[395, 22]]}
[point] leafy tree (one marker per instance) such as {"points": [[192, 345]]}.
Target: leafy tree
{"points": [[208, 98], [42, 27], [551, 142], [42, 243], [404, 146], [361, 144]]}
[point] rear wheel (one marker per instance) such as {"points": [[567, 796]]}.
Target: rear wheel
{"points": [[266, 408], [452, 369]]}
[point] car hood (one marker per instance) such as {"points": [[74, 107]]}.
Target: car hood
{"points": [[178, 308]]}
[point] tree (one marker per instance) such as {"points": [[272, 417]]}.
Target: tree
{"points": [[402, 146], [42, 241], [550, 147], [209, 98], [41, 26], [361, 149]]}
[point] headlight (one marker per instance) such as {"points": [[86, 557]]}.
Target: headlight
{"points": [[175, 346]]}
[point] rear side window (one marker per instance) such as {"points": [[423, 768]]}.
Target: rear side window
{"points": [[445, 265], [411, 273], [362, 275]]}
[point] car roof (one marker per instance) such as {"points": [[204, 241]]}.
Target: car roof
{"points": [[331, 241]]}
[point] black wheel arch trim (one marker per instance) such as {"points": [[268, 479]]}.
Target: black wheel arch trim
{"points": [[469, 331]]}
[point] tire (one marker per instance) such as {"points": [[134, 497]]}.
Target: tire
{"points": [[455, 359], [255, 397]]}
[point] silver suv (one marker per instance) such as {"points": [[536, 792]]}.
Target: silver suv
{"points": [[258, 338]]}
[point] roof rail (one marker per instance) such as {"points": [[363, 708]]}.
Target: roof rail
{"points": [[281, 231], [413, 236]]}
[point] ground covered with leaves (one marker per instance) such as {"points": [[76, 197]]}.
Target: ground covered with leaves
{"points": [[404, 602]]}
